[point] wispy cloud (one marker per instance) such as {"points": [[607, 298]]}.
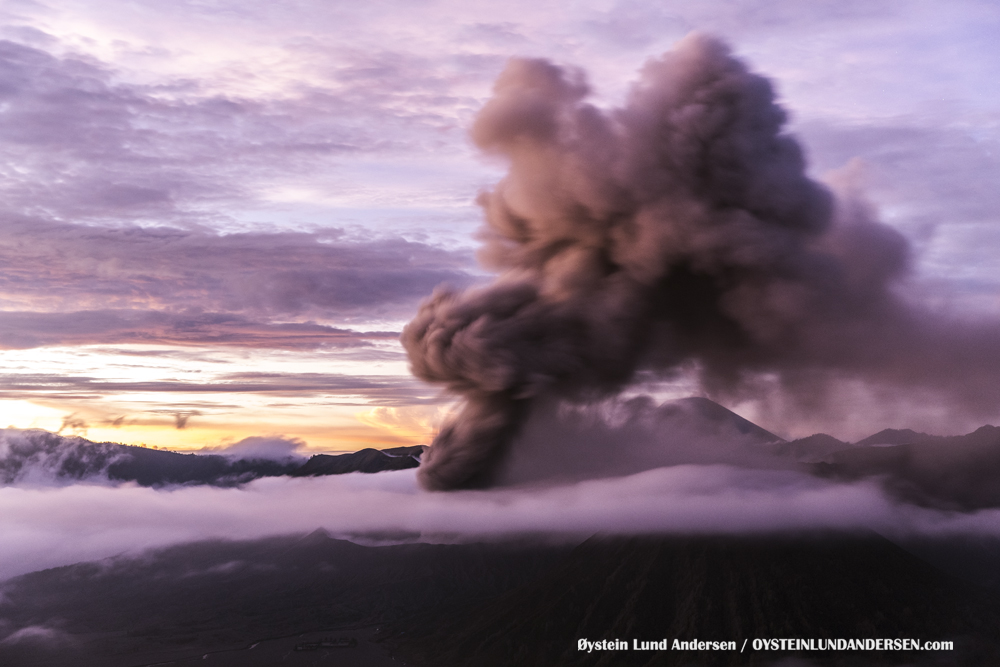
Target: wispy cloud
{"points": [[52, 265], [88, 146], [82, 147], [388, 391], [21, 330]]}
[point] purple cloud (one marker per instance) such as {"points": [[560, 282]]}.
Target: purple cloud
{"points": [[53, 265], [89, 146], [23, 330], [386, 390]]}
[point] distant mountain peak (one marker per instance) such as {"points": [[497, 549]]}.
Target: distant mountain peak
{"points": [[719, 414], [810, 448], [893, 436]]}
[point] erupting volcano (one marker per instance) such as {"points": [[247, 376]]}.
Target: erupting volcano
{"points": [[679, 231]]}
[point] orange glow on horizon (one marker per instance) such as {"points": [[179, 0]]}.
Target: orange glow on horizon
{"points": [[330, 432]]}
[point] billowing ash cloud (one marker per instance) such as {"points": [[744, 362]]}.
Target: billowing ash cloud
{"points": [[680, 230]]}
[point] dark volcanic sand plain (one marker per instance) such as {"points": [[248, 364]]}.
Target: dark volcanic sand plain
{"points": [[251, 603]]}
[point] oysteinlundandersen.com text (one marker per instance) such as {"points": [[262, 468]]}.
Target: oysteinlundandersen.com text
{"points": [[784, 644]]}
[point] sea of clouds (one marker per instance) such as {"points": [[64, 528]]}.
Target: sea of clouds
{"points": [[44, 527]]}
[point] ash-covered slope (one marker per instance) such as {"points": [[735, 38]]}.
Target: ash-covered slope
{"points": [[561, 442], [716, 589], [41, 457], [959, 472]]}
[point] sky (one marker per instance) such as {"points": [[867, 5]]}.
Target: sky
{"points": [[216, 217]]}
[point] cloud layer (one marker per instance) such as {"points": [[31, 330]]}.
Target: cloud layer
{"points": [[51, 266], [111, 215], [45, 527], [616, 467]]}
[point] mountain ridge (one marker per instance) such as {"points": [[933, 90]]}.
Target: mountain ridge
{"points": [[960, 472], [38, 456]]}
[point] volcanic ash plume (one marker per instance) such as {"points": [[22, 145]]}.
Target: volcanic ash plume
{"points": [[679, 229]]}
